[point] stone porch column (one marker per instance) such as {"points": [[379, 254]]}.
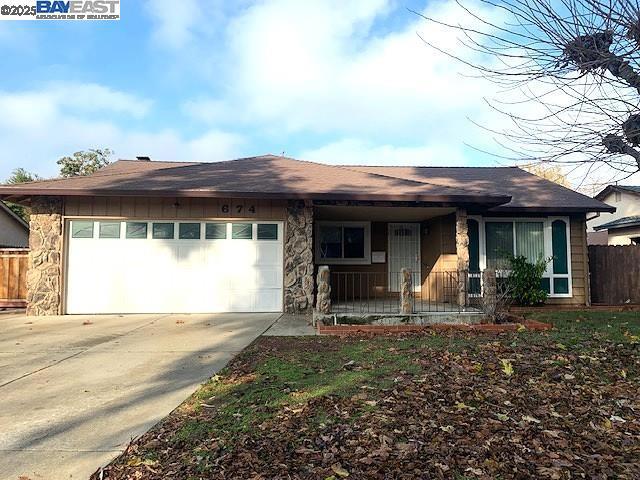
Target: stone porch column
{"points": [[462, 252], [323, 296], [44, 277], [298, 258]]}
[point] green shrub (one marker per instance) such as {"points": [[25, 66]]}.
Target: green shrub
{"points": [[524, 283]]}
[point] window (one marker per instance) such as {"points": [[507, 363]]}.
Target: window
{"points": [[267, 231], [343, 242], [528, 237], [530, 240], [109, 229], [189, 231], [241, 231], [535, 239], [330, 242], [162, 231], [136, 230], [499, 244], [215, 231], [81, 229], [560, 261]]}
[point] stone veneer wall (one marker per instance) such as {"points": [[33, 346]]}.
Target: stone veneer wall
{"points": [[298, 258], [462, 252], [44, 277]]}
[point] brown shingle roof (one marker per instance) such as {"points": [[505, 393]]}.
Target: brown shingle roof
{"points": [[269, 176], [528, 191], [266, 176]]}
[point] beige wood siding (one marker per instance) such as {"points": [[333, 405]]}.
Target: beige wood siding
{"points": [[174, 208]]}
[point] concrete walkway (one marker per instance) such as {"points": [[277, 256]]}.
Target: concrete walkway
{"points": [[291, 325], [76, 389]]}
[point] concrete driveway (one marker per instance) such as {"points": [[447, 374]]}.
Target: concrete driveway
{"points": [[74, 390]]}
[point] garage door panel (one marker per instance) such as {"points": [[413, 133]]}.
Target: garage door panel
{"points": [[149, 275], [269, 278], [268, 254]]}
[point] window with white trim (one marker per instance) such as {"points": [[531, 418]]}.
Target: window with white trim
{"points": [[343, 242], [497, 239]]}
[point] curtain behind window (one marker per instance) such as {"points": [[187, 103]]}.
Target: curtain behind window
{"points": [[499, 244], [530, 240]]}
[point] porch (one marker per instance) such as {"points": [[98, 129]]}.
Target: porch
{"points": [[371, 292], [384, 261]]}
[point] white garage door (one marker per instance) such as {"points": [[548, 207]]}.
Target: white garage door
{"points": [[174, 267]]}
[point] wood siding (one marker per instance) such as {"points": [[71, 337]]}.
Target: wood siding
{"points": [[615, 274], [174, 208], [438, 251], [13, 277]]}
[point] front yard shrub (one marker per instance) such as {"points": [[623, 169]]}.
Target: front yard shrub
{"points": [[524, 283]]}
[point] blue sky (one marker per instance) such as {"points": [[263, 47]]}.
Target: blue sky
{"points": [[327, 80]]}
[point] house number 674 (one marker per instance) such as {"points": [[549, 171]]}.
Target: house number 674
{"points": [[226, 208]]}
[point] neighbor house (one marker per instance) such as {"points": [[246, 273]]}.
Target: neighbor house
{"points": [[14, 231], [247, 235], [621, 227]]}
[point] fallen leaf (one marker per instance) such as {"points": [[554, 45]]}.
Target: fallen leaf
{"points": [[530, 419], [507, 368], [338, 470]]}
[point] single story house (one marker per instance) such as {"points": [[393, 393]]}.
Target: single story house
{"points": [[247, 235], [621, 227], [14, 231]]}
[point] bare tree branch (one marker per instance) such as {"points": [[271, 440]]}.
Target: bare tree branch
{"points": [[568, 73]]}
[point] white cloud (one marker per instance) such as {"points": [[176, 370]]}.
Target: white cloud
{"points": [[316, 67], [39, 108], [38, 127], [175, 23]]}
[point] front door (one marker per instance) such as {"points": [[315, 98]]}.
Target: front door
{"points": [[404, 252]]}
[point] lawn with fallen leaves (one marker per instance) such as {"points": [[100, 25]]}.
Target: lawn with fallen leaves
{"points": [[561, 404]]}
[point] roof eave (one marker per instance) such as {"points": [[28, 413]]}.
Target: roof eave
{"points": [[540, 209], [487, 200], [606, 226]]}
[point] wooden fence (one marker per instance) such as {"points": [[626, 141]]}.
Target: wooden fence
{"points": [[615, 274], [13, 277]]}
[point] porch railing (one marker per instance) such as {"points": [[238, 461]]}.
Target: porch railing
{"points": [[376, 292]]}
